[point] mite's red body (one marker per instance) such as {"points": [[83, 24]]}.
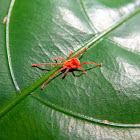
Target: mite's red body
{"points": [[72, 63]]}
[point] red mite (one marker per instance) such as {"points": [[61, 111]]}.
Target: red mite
{"points": [[72, 63]]}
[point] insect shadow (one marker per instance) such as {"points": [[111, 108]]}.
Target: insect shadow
{"points": [[81, 73], [71, 70]]}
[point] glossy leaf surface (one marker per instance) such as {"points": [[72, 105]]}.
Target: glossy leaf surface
{"points": [[39, 32]]}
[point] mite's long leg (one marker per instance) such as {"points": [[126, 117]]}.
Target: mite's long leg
{"points": [[90, 63], [81, 52], [35, 65], [70, 54], [52, 77], [60, 58], [66, 72], [82, 70]]}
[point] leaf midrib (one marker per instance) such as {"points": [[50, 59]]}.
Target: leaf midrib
{"points": [[23, 94]]}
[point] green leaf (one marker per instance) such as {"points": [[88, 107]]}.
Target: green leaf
{"points": [[104, 103], [7, 89]]}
